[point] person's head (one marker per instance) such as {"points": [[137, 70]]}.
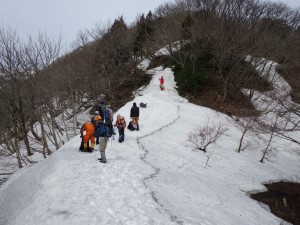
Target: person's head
{"points": [[97, 118], [134, 104]]}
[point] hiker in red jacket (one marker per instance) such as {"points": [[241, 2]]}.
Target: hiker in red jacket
{"points": [[121, 124], [162, 82]]}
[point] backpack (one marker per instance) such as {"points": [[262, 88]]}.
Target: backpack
{"points": [[103, 130], [131, 127], [106, 114], [121, 123]]}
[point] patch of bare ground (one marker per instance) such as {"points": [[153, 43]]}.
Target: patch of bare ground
{"points": [[159, 61], [235, 104], [283, 199], [292, 76], [232, 106]]}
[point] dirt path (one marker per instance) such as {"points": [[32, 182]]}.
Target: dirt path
{"points": [[283, 199]]}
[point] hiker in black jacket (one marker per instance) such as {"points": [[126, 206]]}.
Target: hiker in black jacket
{"points": [[134, 115]]}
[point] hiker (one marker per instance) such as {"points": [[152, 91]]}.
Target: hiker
{"points": [[134, 114], [161, 83], [103, 132], [121, 124], [89, 129], [81, 148]]}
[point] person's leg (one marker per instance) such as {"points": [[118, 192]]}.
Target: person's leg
{"points": [[102, 147], [122, 136], [137, 123], [86, 139], [81, 145], [92, 142], [88, 136]]}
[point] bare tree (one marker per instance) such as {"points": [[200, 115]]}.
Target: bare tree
{"points": [[13, 87], [206, 136], [246, 124]]}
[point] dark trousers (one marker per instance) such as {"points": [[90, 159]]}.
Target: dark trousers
{"points": [[121, 134]]}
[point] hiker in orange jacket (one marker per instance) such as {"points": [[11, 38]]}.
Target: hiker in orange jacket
{"points": [[89, 129]]}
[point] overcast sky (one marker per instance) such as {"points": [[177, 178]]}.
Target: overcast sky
{"points": [[67, 17]]}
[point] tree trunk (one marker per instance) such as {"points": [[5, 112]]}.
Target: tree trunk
{"points": [[241, 140], [267, 148], [25, 137], [18, 154], [44, 138]]}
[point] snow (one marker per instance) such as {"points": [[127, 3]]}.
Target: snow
{"points": [[155, 176]]}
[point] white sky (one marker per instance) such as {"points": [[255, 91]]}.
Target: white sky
{"points": [[67, 17], [155, 177]]}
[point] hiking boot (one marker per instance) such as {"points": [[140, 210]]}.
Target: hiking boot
{"points": [[103, 157], [102, 161]]}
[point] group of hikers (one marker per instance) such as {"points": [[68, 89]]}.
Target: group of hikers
{"points": [[101, 126]]}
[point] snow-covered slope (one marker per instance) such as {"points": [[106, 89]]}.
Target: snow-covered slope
{"points": [[154, 177]]}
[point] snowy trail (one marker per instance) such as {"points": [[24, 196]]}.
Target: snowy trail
{"points": [[156, 169]]}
